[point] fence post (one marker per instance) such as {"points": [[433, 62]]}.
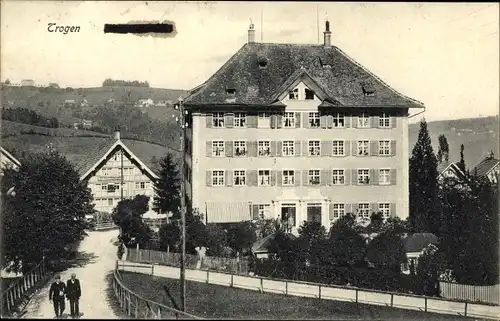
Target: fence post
{"points": [[425, 304], [356, 295], [208, 277], [129, 304], [232, 280], [159, 312], [465, 312], [286, 287], [319, 290], [153, 269], [261, 285], [392, 299], [25, 281]]}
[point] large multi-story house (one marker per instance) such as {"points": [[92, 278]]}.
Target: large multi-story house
{"points": [[114, 172], [297, 132]]}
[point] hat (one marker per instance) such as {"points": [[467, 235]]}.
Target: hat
{"points": [[58, 277]]}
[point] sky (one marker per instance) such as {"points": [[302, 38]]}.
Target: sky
{"points": [[444, 55]]}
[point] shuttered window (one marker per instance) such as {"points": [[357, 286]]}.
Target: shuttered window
{"points": [[338, 177], [314, 148], [384, 176], [384, 148], [218, 120], [217, 178], [313, 177], [385, 209], [240, 120], [384, 121], [288, 178], [313, 120], [264, 177]]}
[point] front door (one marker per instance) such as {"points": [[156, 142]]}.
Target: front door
{"points": [[288, 216]]}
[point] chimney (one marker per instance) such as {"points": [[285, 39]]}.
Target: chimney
{"points": [[117, 134], [251, 34], [328, 34]]}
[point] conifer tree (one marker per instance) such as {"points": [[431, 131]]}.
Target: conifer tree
{"points": [[443, 149], [424, 206], [461, 164], [167, 188]]}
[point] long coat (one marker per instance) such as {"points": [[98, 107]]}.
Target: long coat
{"points": [[73, 290]]}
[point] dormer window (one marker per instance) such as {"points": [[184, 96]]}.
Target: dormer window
{"points": [[231, 91], [293, 94], [368, 90], [309, 94]]}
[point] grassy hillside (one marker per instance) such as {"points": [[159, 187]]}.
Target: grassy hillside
{"points": [[9, 128], [479, 136]]}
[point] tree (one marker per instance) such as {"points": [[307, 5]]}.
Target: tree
{"points": [[430, 266], [376, 223], [216, 240], [470, 230], [170, 236], [47, 214], [241, 236], [424, 206], [386, 251], [167, 188], [7, 82], [310, 241], [461, 164], [128, 216], [345, 246], [443, 149]]}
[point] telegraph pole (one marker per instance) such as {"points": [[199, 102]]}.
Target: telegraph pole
{"points": [[183, 206]]}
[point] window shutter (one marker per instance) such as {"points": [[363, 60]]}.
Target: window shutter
{"points": [[252, 149], [374, 148], [322, 121], [325, 179], [229, 178], [347, 121], [253, 178], [279, 149], [273, 149], [274, 120], [354, 147], [392, 210], [354, 177], [279, 121], [229, 120], [354, 121], [209, 120], [208, 178], [305, 177], [297, 120], [326, 147], [329, 121], [305, 120], [376, 176], [394, 121], [279, 178], [393, 176], [296, 174], [374, 123], [273, 178], [373, 180], [209, 148], [252, 120], [347, 176], [228, 146], [374, 208], [331, 211], [305, 148], [347, 147], [255, 211], [393, 148]]}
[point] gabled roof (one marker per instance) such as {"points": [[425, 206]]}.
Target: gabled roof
{"points": [[485, 166], [101, 153], [10, 157], [418, 241], [444, 166], [256, 85]]}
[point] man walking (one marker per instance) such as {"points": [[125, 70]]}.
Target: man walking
{"points": [[73, 294], [56, 295]]}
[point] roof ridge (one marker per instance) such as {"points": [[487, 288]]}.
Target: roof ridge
{"points": [[233, 57], [378, 78]]}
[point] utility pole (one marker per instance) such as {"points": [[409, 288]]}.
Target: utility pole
{"points": [[183, 206]]}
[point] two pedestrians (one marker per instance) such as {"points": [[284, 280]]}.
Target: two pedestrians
{"points": [[71, 291]]}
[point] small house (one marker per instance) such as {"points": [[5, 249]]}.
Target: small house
{"points": [[489, 167]]}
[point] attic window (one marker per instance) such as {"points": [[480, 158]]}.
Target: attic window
{"points": [[262, 62], [231, 91], [368, 90], [293, 94], [309, 94]]}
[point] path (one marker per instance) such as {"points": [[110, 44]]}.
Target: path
{"points": [[98, 249]]}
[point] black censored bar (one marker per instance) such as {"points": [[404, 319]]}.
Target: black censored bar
{"points": [[139, 28]]}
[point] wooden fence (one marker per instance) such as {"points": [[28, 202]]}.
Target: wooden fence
{"points": [[222, 264], [105, 226], [138, 307], [471, 293], [21, 288], [322, 291]]}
